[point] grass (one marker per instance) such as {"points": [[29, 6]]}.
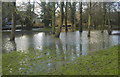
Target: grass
{"points": [[102, 62]]}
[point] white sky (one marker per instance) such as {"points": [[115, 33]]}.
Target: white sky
{"points": [[63, 0], [37, 7]]}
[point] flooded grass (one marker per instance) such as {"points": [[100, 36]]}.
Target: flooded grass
{"points": [[35, 62], [103, 62]]}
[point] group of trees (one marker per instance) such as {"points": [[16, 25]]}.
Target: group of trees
{"points": [[97, 14], [101, 14], [79, 14], [11, 13]]}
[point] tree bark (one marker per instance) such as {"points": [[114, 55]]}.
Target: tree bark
{"points": [[12, 38], [61, 20], [80, 22], [29, 18], [89, 19], [53, 18], [73, 10], [109, 21], [104, 15], [66, 27]]}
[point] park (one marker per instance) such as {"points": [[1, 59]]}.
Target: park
{"points": [[64, 37]]}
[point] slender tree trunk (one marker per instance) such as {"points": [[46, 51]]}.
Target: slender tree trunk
{"points": [[66, 27], [12, 38], [118, 15], [80, 22], [73, 9], [109, 22], [89, 19], [53, 18], [71, 17], [33, 6], [22, 23], [29, 20], [14, 45], [74, 16], [104, 15], [61, 20]]}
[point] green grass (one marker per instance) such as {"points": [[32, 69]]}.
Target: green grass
{"points": [[45, 29], [102, 62]]}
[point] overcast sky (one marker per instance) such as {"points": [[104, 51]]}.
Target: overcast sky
{"points": [[61, 0], [37, 7]]}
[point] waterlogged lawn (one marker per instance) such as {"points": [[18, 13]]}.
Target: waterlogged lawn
{"points": [[35, 62], [103, 62]]}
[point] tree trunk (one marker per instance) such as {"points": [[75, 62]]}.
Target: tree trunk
{"points": [[104, 15], [73, 10], [22, 23], [14, 45], [74, 13], [29, 19], [66, 27], [12, 38], [33, 6], [53, 18], [89, 19], [109, 22], [71, 17], [61, 20], [80, 22]]}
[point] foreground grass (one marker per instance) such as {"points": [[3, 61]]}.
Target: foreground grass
{"points": [[102, 62]]}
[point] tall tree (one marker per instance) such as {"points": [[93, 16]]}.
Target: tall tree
{"points": [[109, 21], [29, 17], [118, 13], [104, 16], [89, 18], [6, 16], [61, 20], [73, 11], [12, 38], [46, 14], [53, 17], [66, 14], [80, 22], [33, 5]]}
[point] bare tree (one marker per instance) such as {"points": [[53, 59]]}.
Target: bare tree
{"points": [[61, 20], [89, 19], [66, 14], [53, 17], [80, 22], [12, 38], [104, 17], [109, 21], [73, 11]]}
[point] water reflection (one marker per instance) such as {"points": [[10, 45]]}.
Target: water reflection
{"points": [[73, 42], [59, 51], [9, 46]]}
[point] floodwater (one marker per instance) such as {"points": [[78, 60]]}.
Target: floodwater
{"points": [[70, 45], [71, 41]]}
